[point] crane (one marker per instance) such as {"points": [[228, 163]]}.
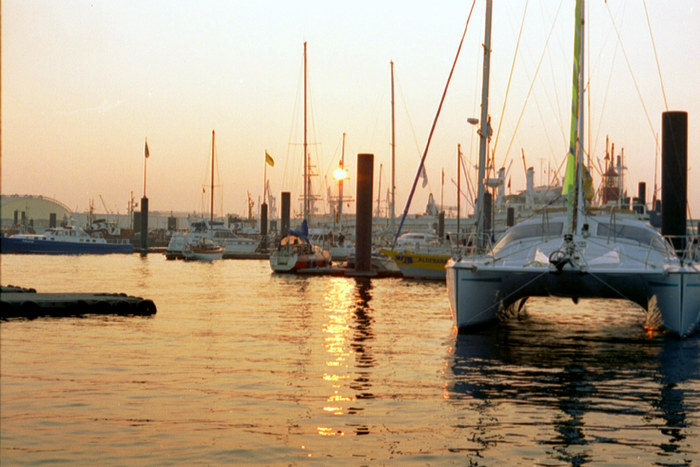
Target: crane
{"points": [[105, 205]]}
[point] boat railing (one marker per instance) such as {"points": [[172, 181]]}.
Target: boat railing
{"points": [[685, 247], [468, 244]]}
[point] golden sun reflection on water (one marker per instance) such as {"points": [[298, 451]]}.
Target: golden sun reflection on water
{"points": [[339, 302]]}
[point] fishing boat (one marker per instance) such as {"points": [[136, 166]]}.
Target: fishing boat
{"points": [[203, 250], [578, 253], [296, 252], [68, 240]]}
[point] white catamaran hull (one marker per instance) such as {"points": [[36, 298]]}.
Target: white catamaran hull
{"points": [[478, 293]]}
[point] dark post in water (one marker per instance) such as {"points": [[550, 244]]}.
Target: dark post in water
{"points": [[263, 225], [363, 223], [674, 176], [510, 217], [144, 225], [284, 222], [488, 207]]}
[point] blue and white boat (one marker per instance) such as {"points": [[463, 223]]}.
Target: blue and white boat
{"points": [[69, 240]]}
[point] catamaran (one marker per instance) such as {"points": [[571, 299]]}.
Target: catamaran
{"points": [[580, 253]]}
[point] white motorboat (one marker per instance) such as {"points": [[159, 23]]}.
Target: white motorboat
{"points": [[579, 253]]}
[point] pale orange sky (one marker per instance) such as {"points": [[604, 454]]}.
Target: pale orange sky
{"points": [[84, 82]]}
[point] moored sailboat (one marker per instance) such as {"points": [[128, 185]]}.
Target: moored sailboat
{"points": [[201, 245], [295, 251]]}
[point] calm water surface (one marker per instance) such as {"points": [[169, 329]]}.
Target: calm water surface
{"points": [[243, 366]]}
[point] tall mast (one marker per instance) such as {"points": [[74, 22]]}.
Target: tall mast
{"points": [[379, 192], [212, 179], [576, 202], [579, 180], [484, 131], [459, 188], [306, 168], [393, 153]]}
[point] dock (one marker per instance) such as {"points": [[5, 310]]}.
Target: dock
{"points": [[20, 302], [346, 272]]}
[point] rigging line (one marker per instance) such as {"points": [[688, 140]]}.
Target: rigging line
{"points": [[656, 55], [510, 79], [432, 129], [608, 87], [532, 84], [629, 68], [408, 115]]}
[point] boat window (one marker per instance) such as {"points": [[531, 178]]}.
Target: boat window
{"points": [[520, 232], [640, 235], [552, 229]]}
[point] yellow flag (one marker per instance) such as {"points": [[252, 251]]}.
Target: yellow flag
{"points": [[269, 160]]}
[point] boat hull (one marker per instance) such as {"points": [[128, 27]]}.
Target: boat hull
{"points": [[203, 256], [416, 265], [478, 294], [235, 247], [676, 294], [291, 263], [43, 246]]}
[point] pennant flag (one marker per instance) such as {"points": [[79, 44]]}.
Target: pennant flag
{"points": [[424, 175], [145, 151], [269, 160]]}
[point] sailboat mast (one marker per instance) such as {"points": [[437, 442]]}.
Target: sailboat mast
{"points": [[484, 129], [379, 192], [575, 193], [579, 179], [459, 188], [306, 168], [393, 153], [212, 179]]}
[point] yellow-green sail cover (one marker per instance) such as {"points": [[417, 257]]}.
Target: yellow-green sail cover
{"points": [[574, 136]]}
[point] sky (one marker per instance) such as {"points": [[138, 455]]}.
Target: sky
{"points": [[84, 83]]}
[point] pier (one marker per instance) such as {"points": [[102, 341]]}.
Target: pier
{"points": [[19, 302]]}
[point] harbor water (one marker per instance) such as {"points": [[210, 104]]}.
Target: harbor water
{"points": [[242, 366]]}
